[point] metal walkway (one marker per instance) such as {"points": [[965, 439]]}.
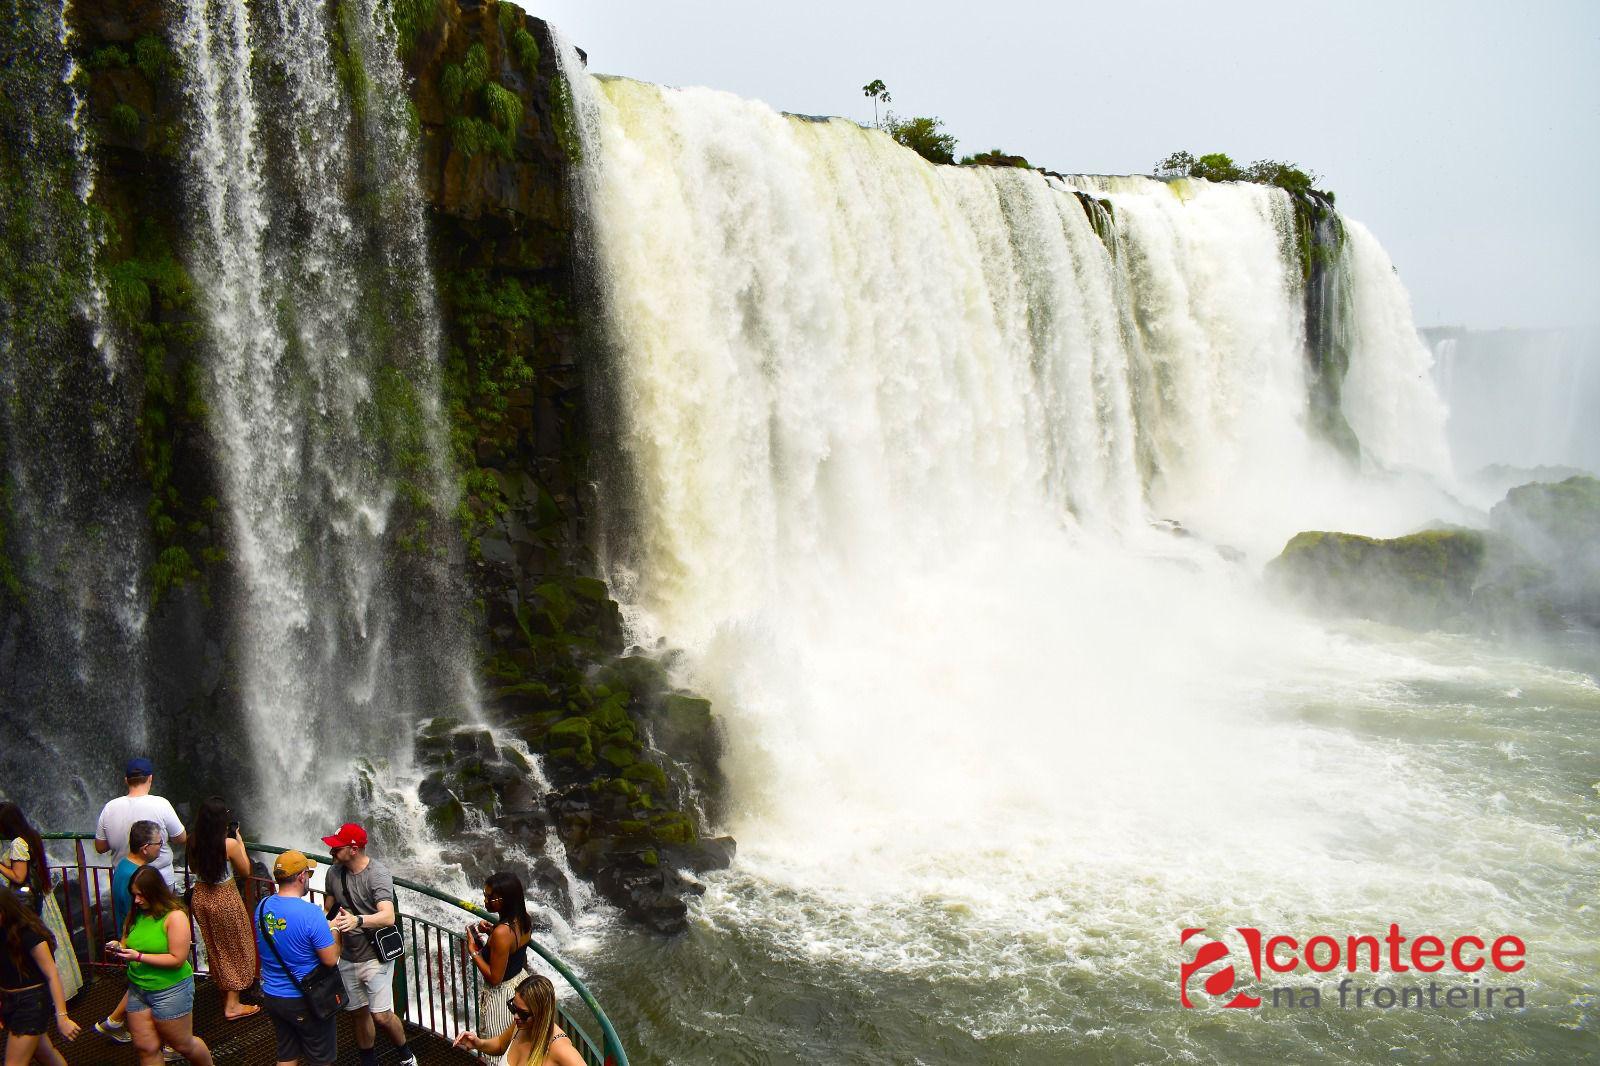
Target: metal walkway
{"points": [[248, 1042]]}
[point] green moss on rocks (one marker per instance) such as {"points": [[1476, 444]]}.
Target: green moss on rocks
{"points": [[1425, 579]]}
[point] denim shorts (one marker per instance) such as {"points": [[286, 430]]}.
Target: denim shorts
{"points": [[167, 1004], [27, 1013]]}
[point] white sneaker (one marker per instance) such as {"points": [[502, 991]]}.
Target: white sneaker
{"points": [[170, 1055], [112, 1031]]}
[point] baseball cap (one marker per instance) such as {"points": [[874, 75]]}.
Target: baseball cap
{"points": [[140, 767], [346, 835], [291, 863]]}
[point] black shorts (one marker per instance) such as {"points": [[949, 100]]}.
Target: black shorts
{"points": [[300, 1034], [27, 1013]]}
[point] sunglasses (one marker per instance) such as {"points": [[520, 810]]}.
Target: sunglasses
{"points": [[517, 1012]]}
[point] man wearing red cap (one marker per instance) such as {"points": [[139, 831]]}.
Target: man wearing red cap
{"points": [[361, 898]]}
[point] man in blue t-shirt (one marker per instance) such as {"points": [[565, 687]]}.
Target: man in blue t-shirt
{"points": [[292, 938]]}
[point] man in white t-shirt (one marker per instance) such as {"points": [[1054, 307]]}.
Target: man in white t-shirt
{"points": [[111, 834]]}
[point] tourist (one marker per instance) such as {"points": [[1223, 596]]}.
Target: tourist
{"points": [[144, 844], [26, 866], [155, 945], [139, 804], [500, 950], [532, 1038], [216, 856], [361, 899], [301, 940], [29, 986]]}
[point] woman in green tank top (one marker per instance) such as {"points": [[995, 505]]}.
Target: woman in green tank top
{"points": [[155, 945]]}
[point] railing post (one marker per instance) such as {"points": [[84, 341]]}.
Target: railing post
{"points": [[96, 941], [402, 986]]}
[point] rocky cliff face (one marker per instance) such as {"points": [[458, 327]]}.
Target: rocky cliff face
{"points": [[625, 754]]}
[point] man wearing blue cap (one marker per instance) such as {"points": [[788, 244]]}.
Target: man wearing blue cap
{"points": [[111, 834]]}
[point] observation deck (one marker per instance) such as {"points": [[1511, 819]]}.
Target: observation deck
{"points": [[436, 987]]}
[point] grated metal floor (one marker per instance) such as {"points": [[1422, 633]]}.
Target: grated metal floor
{"points": [[248, 1042]]}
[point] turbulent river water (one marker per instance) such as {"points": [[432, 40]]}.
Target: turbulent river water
{"points": [[955, 489]]}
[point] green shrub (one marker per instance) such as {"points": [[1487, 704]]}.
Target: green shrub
{"points": [[124, 122], [153, 58], [922, 135], [527, 50], [504, 107]]}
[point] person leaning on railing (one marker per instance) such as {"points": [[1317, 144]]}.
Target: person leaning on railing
{"points": [[499, 950], [216, 856], [155, 945], [29, 984], [533, 1038]]}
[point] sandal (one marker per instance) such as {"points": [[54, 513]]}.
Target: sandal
{"points": [[249, 1010]]}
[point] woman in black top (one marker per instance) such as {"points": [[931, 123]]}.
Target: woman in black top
{"points": [[500, 951], [30, 986]]}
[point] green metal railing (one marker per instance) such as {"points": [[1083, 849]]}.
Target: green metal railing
{"points": [[436, 985]]}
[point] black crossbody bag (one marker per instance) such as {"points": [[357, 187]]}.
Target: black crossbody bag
{"points": [[322, 989], [385, 940]]}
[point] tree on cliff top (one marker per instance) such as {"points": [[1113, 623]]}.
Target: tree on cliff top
{"points": [[878, 91], [922, 136]]}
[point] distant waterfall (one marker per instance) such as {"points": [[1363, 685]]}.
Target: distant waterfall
{"points": [[73, 540], [323, 378]]}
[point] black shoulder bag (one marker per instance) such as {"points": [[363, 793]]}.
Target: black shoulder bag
{"points": [[322, 989], [385, 940]]}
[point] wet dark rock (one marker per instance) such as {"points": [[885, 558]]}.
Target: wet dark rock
{"points": [[708, 853]]}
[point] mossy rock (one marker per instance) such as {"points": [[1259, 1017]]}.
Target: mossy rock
{"points": [[647, 773], [618, 756], [448, 818], [571, 739], [637, 675], [1424, 580], [674, 828]]}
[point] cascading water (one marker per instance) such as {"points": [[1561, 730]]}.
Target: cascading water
{"points": [[324, 389], [895, 442], [1520, 398], [73, 546]]}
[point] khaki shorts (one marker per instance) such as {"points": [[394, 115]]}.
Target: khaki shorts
{"points": [[369, 984]]}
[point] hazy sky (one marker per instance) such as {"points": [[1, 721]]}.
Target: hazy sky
{"points": [[1466, 135]]}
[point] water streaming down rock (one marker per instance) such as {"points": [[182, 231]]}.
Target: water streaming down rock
{"points": [[73, 546], [323, 383]]}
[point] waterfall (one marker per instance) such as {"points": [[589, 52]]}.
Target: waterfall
{"points": [[73, 542], [323, 381], [901, 452], [1520, 398]]}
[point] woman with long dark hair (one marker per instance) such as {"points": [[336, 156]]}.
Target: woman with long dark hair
{"points": [[155, 945], [216, 856], [24, 865], [532, 1037], [29, 986], [500, 950]]}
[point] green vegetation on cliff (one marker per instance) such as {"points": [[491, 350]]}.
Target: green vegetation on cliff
{"points": [[924, 136], [1218, 166]]}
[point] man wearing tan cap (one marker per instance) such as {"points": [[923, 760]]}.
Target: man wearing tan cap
{"points": [[300, 940]]}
